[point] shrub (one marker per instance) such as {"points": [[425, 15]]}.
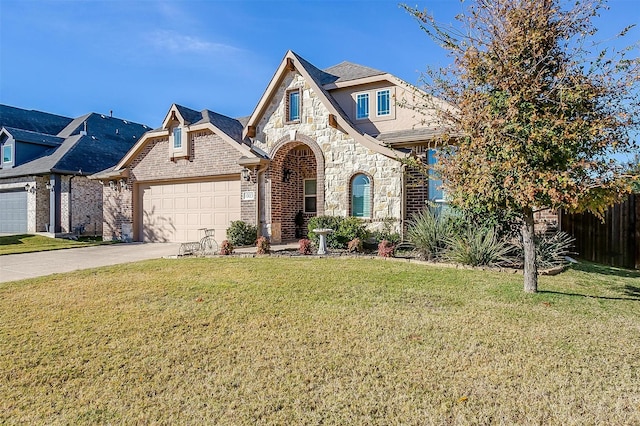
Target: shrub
{"points": [[551, 249], [429, 232], [345, 229], [386, 248], [330, 222], [349, 229], [387, 232], [241, 233], [305, 246], [477, 247], [355, 246], [263, 246], [226, 248]]}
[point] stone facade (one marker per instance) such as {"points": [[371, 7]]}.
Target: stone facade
{"points": [[341, 155]]}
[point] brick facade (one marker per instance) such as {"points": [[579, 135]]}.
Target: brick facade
{"points": [[209, 156]]}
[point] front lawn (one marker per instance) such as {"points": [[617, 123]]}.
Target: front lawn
{"points": [[319, 341], [26, 243]]}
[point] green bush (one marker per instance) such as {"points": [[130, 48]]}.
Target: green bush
{"points": [[241, 233], [320, 222], [345, 229], [551, 250], [351, 228], [477, 247], [387, 232], [429, 232]]}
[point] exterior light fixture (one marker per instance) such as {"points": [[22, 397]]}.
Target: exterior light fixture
{"points": [[246, 175], [30, 188], [123, 183], [50, 187], [112, 184]]}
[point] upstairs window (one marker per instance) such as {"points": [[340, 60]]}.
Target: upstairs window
{"points": [[361, 196], [293, 105], [310, 196], [383, 102], [362, 106], [7, 154], [177, 138]]}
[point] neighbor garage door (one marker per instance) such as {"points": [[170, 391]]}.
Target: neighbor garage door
{"points": [[13, 212], [175, 212]]}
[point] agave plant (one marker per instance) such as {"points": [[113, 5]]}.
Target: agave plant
{"points": [[477, 247]]}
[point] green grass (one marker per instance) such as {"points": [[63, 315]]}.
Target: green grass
{"points": [[323, 341], [25, 243]]}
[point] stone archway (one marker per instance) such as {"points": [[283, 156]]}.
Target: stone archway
{"points": [[295, 163]]}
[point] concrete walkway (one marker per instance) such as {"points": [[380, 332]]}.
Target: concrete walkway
{"points": [[29, 265]]}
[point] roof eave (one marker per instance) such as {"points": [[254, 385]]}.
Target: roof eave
{"points": [[359, 81]]}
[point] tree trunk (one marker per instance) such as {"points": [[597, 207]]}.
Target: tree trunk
{"points": [[529, 246]]}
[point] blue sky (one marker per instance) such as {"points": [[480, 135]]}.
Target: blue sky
{"points": [[138, 57]]}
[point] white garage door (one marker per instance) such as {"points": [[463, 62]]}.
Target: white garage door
{"points": [[176, 212], [13, 212]]}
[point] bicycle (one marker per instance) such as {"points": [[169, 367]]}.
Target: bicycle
{"points": [[208, 244]]}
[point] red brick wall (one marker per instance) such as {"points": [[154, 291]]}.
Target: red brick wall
{"points": [[288, 196]]}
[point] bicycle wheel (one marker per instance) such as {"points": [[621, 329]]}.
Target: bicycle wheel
{"points": [[209, 246]]}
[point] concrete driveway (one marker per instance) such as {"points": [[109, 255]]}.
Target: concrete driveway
{"points": [[28, 265]]}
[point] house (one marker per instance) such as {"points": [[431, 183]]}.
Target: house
{"points": [[319, 142], [44, 165]]}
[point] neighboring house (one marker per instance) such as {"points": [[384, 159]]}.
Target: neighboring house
{"points": [[319, 142], [44, 164]]}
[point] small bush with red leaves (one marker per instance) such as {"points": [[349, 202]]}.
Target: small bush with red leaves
{"points": [[386, 248], [263, 246], [226, 248], [305, 246]]}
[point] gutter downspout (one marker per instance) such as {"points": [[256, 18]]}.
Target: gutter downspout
{"points": [[258, 172]]}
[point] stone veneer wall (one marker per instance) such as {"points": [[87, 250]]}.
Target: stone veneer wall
{"points": [[343, 157]]}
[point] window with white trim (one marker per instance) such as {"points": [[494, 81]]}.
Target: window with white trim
{"points": [[310, 196], [361, 196], [177, 138], [362, 106], [383, 102], [293, 105]]}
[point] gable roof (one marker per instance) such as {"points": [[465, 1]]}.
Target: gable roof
{"points": [[84, 145], [315, 77], [229, 129]]}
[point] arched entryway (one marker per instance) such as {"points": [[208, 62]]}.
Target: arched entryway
{"points": [[297, 187]]}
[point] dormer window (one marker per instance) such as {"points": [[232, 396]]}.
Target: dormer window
{"points": [[7, 154], [177, 138], [293, 105]]}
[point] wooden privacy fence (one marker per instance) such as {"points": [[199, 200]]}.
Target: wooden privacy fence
{"points": [[615, 242]]}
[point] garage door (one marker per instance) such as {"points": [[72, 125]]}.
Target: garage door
{"points": [[176, 212], [13, 212]]}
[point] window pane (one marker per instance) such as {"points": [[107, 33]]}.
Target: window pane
{"points": [[361, 196], [294, 106], [177, 137], [383, 102], [435, 184], [310, 204], [362, 105], [310, 187], [6, 154]]}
